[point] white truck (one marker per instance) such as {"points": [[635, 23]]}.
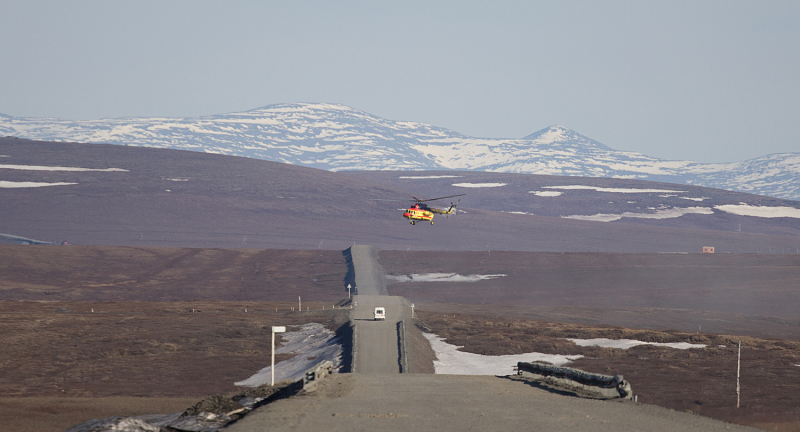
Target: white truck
{"points": [[380, 313]]}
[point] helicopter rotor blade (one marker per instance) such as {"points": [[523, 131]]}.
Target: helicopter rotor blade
{"points": [[434, 199], [380, 199]]}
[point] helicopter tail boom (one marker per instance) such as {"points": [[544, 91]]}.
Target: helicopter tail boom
{"points": [[451, 210]]}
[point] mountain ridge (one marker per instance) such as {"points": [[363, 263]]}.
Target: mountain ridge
{"points": [[336, 137]]}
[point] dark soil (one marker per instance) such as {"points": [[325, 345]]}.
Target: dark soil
{"points": [[699, 380], [140, 349], [58, 413], [106, 273]]}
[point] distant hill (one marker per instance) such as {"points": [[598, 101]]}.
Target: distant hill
{"points": [[336, 137], [133, 196], [602, 200]]}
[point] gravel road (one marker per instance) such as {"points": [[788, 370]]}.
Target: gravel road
{"points": [[378, 398], [403, 402], [370, 279], [377, 348]]}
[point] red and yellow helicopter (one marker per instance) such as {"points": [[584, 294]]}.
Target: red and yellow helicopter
{"points": [[420, 212]]}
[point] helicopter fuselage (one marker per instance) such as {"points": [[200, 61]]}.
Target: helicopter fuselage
{"points": [[420, 212]]}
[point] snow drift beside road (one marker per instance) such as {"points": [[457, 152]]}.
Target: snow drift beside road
{"points": [[442, 277], [312, 343], [450, 361]]}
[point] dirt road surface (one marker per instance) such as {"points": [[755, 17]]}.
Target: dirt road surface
{"points": [[377, 397], [377, 342], [377, 346], [370, 279], [402, 402]]}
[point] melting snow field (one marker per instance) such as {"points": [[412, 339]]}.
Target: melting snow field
{"points": [[429, 177], [313, 343], [11, 184], [630, 343], [743, 209], [442, 277], [478, 185], [547, 193], [658, 214], [614, 190], [56, 168], [450, 361]]}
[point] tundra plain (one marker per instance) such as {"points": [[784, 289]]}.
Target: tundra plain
{"points": [[169, 248]]}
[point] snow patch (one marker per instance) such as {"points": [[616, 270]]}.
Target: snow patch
{"points": [[546, 193], [442, 277], [12, 185], [429, 177], [57, 168], [479, 185], [612, 190], [743, 209], [450, 361], [312, 344], [669, 213], [630, 343]]}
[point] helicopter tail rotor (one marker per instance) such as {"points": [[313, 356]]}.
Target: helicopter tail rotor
{"points": [[454, 207]]}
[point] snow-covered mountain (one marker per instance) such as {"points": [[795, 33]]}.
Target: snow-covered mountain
{"points": [[337, 137]]}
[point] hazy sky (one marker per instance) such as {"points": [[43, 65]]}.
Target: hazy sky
{"points": [[711, 81]]}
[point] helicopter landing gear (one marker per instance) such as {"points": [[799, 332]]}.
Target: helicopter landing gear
{"points": [[412, 222], [431, 222]]}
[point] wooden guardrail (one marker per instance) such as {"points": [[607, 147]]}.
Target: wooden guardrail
{"points": [[606, 386]]}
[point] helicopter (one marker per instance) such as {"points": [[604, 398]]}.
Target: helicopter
{"points": [[421, 212]]}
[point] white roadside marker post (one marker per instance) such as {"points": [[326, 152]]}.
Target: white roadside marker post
{"points": [[738, 369], [299, 304], [275, 329], [348, 290]]}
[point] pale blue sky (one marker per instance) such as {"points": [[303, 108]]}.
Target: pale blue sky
{"points": [[711, 81]]}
